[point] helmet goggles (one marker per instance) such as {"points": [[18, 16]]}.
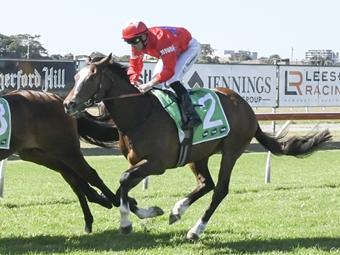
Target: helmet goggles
{"points": [[134, 41]]}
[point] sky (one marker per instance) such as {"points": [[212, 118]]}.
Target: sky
{"points": [[285, 27]]}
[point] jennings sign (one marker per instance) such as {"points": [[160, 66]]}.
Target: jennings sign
{"points": [[42, 75], [255, 83]]}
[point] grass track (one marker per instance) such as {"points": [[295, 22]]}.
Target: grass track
{"points": [[298, 213]]}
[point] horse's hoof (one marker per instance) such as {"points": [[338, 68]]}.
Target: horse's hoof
{"points": [[88, 229], [126, 230], [150, 212], [192, 237], [173, 218], [156, 211]]}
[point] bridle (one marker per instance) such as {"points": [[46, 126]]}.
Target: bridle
{"points": [[99, 93], [92, 100], [95, 98]]}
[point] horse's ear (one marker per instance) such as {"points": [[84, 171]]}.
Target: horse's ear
{"points": [[105, 61], [111, 59]]}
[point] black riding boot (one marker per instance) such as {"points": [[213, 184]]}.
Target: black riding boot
{"points": [[189, 110], [193, 119]]}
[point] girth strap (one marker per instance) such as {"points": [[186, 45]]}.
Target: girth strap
{"points": [[185, 147]]}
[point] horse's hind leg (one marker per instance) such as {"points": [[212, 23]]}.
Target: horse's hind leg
{"points": [[85, 171], [74, 180], [83, 191], [90, 175], [221, 190], [204, 184]]}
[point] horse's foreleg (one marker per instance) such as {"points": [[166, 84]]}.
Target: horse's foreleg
{"points": [[221, 190], [128, 180], [204, 185], [143, 213]]}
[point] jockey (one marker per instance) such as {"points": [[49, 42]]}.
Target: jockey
{"points": [[176, 50]]}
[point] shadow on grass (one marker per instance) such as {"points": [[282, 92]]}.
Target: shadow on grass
{"points": [[98, 242], [38, 203], [327, 244], [113, 241]]}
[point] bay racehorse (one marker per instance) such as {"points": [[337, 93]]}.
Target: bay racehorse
{"points": [[149, 140], [44, 134]]}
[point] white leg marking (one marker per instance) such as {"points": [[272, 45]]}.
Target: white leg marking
{"points": [[180, 207], [124, 215], [198, 228]]}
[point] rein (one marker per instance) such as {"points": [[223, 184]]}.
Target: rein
{"points": [[123, 96]]}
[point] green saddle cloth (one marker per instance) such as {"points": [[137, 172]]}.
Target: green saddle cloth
{"points": [[208, 106], [5, 124]]}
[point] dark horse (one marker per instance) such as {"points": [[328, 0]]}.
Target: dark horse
{"points": [[44, 134], [149, 140]]}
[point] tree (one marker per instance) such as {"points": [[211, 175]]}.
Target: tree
{"points": [[11, 47], [97, 54], [318, 60], [4, 42], [56, 57], [207, 55], [207, 50], [68, 56], [239, 57], [124, 58], [21, 46], [273, 59], [328, 61]]}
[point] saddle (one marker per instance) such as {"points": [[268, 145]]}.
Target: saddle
{"points": [[214, 122]]}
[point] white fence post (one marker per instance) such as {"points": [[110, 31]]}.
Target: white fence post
{"points": [[269, 155], [2, 176], [268, 167], [146, 183]]}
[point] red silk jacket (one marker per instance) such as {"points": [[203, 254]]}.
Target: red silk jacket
{"points": [[165, 43]]}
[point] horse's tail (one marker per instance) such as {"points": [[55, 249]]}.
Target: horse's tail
{"points": [[96, 131], [294, 146]]}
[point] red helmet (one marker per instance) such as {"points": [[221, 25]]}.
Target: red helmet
{"points": [[133, 29]]}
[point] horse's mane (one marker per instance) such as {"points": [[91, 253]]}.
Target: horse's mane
{"points": [[119, 69], [115, 67]]}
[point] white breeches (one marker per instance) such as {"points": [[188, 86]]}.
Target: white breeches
{"points": [[183, 64]]}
